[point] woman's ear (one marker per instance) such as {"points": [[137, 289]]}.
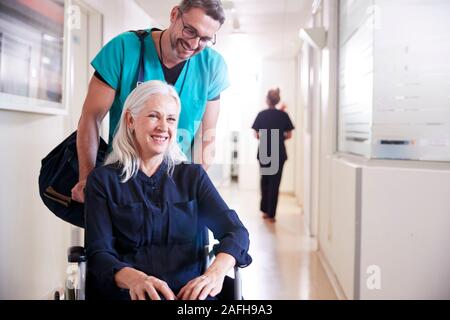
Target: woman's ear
{"points": [[129, 120]]}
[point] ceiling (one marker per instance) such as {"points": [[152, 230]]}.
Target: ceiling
{"points": [[271, 26]]}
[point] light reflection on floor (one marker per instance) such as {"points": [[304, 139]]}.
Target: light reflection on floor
{"points": [[284, 266]]}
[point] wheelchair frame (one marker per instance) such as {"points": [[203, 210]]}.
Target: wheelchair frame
{"points": [[77, 254]]}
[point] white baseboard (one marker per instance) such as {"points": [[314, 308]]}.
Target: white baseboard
{"points": [[332, 277], [314, 244]]}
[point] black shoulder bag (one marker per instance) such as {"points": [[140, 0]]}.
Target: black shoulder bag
{"points": [[59, 169]]}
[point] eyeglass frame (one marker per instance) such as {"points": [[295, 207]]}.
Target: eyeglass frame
{"points": [[191, 29]]}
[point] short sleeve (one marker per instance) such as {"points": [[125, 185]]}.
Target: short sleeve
{"points": [[288, 123], [219, 80], [257, 123], [109, 61]]}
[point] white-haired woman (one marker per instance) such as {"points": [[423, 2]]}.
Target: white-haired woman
{"points": [[145, 210]]}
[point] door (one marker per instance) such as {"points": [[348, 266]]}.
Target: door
{"points": [[85, 41]]}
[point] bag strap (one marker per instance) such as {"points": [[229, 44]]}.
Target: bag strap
{"points": [[141, 34]]}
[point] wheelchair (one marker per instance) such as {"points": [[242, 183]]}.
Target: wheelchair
{"points": [[59, 173], [75, 286]]}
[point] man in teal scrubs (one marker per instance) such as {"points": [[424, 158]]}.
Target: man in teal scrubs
{"points": [[182, 56]]}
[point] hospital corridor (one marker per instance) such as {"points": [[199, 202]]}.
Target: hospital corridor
{"points": [[286, 257], [323, 125]]}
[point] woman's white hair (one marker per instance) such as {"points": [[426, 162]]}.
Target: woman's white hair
{"points": [[124, 151]]}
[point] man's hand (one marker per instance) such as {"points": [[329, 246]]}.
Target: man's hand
{"points": [[78, 191]]}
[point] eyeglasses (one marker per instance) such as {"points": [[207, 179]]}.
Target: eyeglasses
{"points": [[191, 33]]}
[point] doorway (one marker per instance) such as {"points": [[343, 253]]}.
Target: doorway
{"points": [[85, 40]]}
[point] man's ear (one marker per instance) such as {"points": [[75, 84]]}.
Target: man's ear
{"points": [[174, 14]]}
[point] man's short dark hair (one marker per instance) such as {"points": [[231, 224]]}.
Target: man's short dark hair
{"points": [[213, 8]]}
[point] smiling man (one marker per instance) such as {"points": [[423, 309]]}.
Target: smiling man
{"points": [[182, 56]]}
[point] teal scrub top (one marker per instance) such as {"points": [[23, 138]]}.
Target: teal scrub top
{"points": [[205, 76]]}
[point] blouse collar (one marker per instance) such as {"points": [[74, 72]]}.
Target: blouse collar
{"points": [[156, 176]]}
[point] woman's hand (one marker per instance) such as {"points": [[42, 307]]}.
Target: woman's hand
{"points": [[282, 106], [141, 284], [151, 286], [209, 284]]}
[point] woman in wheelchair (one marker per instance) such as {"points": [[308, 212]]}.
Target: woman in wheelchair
{"points": [[145, 210]]}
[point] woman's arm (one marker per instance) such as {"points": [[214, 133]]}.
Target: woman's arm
{"points": [[287, 135], [102, 255], [233, 241], [224, 223]]}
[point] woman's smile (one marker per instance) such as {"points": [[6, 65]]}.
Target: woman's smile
{"points": [[160, 139]]}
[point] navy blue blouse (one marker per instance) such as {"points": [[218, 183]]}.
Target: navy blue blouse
{"points": [[154, 224]]}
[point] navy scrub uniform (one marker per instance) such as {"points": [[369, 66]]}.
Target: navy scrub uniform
{"points": [[272, 119], [153, 224]]}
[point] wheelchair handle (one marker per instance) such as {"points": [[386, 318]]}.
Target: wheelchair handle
{"points": [[76, 255]]}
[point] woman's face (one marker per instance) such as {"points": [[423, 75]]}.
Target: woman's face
{"points": [[155, 126]]}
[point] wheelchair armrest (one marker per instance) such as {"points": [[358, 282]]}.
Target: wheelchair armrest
{"points": [[237, 283], [208, 256], [76, 254]]}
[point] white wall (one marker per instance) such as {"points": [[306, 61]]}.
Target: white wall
{"points": [[299, 120], [337, 233], [405, 219], [328, 76], [389, 214], [33, 242], [120, 16], [394, 216], [311, 131]]}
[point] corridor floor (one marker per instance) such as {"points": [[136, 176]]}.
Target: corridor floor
{"points": [[284, 266]]}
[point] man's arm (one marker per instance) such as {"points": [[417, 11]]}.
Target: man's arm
{"points": [[207, 135], [98, 101]]}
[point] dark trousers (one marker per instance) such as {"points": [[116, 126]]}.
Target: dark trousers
{"points": [[270, 187]]}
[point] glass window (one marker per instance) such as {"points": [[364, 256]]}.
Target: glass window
{"points": [[394, 93]]}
